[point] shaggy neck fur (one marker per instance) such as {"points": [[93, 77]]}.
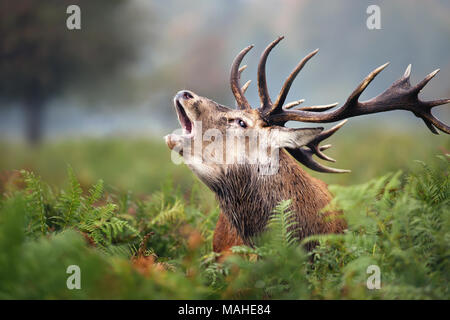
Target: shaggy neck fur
{"points": [[248, 198]]}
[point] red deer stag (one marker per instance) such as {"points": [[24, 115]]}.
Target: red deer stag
{"points": [[247, 197]]}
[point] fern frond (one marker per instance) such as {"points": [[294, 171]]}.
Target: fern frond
{"points": [[282, 224], [95, 193], [170, 213], [35, 203], [69, 202]]}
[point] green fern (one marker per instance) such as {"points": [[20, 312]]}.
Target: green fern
{"points": [[104, 226], [280, 233], [168, 211], [70, 200], [433, 185], [35, 203], [399, 222], [95, 194], [282, 225]]}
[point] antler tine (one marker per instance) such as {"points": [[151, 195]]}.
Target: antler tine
{"points": [[352, 100], [294, 103], [325, 147], [407, 73], [266, 103], [432, 121], [399, 96], [318, 108], [309, 108], [424, 82], [314, 144], [305, 156], [245, 86], [241, 69], [235, 79], [278, 105]]}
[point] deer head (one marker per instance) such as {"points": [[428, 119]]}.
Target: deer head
{"points": [[236, 183], [269, 119]]}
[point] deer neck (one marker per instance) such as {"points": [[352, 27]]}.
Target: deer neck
{"points": [[248, 198]]}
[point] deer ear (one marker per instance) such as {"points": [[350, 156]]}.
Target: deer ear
{"points": [[293, 138]]}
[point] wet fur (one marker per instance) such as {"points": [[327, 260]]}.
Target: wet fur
{"points": [[247, 200]]}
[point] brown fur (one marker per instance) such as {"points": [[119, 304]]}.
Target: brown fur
{"points": [[225, 235], [248, 204], [246, 197]]}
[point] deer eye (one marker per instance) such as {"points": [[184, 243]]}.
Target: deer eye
{"points": [[241, 123]]}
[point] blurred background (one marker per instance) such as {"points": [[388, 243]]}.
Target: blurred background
{"points": [[100, 98]]}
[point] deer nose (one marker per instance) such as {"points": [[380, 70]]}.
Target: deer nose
{"points": [[184, 94]]}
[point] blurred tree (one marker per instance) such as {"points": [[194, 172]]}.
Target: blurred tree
{"points": [[40, 56]]}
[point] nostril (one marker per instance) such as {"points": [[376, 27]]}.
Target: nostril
{"points": [[187, 95]]}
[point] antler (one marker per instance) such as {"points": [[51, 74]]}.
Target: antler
{"points": [[235, 76], [399, 96], [305, 154], [262, 83]]}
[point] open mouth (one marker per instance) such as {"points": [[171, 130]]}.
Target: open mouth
{"points": [[185, 122]]}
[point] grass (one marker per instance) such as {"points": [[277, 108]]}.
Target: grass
{"points": [[140, 227]]}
